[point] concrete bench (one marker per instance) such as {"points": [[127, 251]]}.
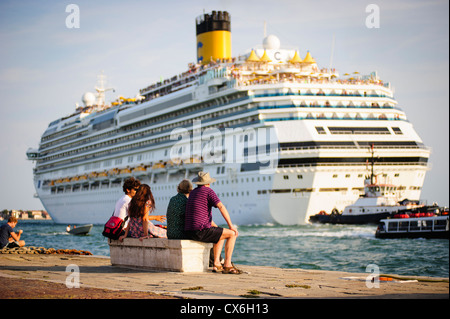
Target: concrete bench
{"points": [[161, 254]]}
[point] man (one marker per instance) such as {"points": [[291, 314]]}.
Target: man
{"points": [[130, 186], [8, 238], [199, 225]]}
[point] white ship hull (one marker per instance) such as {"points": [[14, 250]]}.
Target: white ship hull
{"points": [[274, 200]]}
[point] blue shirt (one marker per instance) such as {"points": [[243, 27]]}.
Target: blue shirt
{"points": [[5, 233]]}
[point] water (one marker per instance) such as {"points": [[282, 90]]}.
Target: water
{"points": [[322, 247]]}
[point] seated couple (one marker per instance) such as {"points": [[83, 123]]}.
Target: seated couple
{"points": [[138, 203], [189, 216]]}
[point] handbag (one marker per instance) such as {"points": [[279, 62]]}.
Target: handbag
{"points": [[114, 227]]}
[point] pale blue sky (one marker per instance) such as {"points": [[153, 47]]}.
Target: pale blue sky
{"points": [[46, 67]]}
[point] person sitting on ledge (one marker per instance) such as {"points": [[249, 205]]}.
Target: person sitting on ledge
{"points": [[176, 211], [139, 225], [8, 238], [199, 225], [130, 187]]}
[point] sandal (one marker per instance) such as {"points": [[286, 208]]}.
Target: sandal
{"points": [[231, 270], [217, 269]]}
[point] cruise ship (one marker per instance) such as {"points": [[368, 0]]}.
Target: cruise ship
{"points": [[283, 137]]}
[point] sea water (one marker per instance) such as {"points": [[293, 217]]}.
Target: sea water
{"points": [[349, 248]]}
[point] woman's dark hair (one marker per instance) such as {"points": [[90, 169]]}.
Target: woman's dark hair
{"points": [[137, 204], [130, 183], [185, 186]]}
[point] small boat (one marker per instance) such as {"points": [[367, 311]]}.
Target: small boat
{"points": [[414, 227], [80, 230]]}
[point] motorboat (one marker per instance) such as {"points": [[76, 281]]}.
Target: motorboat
{"points": [[80, 230]]}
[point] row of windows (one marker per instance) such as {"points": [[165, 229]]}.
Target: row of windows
{"points": [[95, 186], [137, 145], [142, 134], [327, 104], [334, 116], [151, 121], [320, 92]]}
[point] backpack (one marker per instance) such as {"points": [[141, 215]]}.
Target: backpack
{"points": [[114, 227]]}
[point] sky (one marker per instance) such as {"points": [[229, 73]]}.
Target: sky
{"points": [[47, 65]]}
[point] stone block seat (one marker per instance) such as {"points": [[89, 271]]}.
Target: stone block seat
{"points": [[161, 254]]}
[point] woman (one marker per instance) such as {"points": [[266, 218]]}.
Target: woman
{"points": [[139, 225], [176, 211]]}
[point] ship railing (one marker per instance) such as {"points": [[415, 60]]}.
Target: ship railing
{"points": [[187, 77], [269, 78]]}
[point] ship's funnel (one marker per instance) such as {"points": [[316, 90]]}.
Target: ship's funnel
{"points": [[213, 37]]}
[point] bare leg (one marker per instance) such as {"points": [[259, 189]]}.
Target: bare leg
{"points": [[217, 248], [229, 247], [230, 237]]}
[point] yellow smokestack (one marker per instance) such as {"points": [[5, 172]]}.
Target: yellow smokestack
{"points": [[213, 37]]}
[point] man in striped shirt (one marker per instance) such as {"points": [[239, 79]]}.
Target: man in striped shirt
{"points": [[199, 225]]}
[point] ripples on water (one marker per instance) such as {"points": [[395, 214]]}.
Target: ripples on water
{"points": [[323, 247]]}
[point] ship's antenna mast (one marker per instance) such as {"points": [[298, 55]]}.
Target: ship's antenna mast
{"points": [[372, 176], [101, 90], [332, 50]]}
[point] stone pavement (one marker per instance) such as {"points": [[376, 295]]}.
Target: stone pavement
{"points": [[255, 282]]}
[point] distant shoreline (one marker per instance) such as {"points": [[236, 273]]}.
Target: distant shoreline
{"points": [[25, 214]]}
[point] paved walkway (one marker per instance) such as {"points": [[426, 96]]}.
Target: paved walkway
{"points": [[257, 281]]}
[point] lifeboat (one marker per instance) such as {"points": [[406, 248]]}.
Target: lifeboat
{"points": [[125, 171], [158, 165], [140, 168], [113, 171], [174, 162], [192, 160], [193, 163], [83, 177], [401, 216], [103, 174], [93, 175]]}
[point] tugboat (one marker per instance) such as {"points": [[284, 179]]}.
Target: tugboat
{"points": [[379, 201]]}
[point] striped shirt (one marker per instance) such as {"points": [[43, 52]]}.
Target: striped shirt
{"points": [[198, 208]]}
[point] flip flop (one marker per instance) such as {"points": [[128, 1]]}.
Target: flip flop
{"points": [[231, 270]]}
